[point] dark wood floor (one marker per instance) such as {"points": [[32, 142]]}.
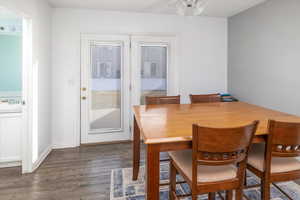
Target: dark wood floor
{"points": [[69, 174]]}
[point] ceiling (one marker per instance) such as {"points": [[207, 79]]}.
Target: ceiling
{"points": [[215, 8]]}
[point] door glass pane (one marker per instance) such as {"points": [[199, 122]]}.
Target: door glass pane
{"points": [[105, 110], [153, 71]]}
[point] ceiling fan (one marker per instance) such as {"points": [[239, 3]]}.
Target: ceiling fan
{"points": [[183, 7]]}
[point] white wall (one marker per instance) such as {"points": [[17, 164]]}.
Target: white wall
{"points": [[202, 57], [40, 13], [264, 46]]}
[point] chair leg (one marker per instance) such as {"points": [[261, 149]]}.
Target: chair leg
{"points": [[194, 197], [239, 194], [229, 195], [211, 196], [265, 190], [245, 179], [173, 173]]}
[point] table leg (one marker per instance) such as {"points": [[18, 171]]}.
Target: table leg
{"points": [[153, 176], [136, 150]]}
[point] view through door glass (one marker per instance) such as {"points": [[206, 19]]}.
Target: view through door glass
{"points": [[153, 71], [105, 111]]}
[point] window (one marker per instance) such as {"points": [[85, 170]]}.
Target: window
{"points": [[153, 71]]}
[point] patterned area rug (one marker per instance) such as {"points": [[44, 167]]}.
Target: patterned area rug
{"points": [[123, 188]]}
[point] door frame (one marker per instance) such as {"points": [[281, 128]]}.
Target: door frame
{"points": [[174, 90], [27, 98]]}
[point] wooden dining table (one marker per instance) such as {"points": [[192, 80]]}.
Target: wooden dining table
{"points": [[166, 128]]}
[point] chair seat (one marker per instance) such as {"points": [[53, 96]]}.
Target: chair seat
{"points": [[279, 164], [183, 160]]}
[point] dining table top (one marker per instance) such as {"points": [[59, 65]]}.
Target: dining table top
{"points": [[173, 122]]}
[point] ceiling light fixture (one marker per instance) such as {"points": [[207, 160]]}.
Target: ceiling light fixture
{"points": [[191, 7]]}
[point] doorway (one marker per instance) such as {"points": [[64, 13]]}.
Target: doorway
{"points": [[15, 90], [117, 72]]}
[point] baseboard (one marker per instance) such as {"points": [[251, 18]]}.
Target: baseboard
{"points": [[66, 146], [10, 164], [112, 142], [58, 146], [42, 157]]}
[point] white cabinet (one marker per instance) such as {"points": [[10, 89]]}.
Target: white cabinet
{"points": [[10, 139]]}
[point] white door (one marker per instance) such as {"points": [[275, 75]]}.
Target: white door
{"points": [[153, 67], [105, 80]]}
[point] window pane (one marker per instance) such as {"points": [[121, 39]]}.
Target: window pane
{"points": [[10, 66], [105, 110], [153, 71]]}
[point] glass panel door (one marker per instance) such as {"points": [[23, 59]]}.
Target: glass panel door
{"points": [[153, 67], [105, 91], [154, 62], [110, 84]]}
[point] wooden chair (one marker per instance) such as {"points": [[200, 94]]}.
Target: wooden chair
{"points": [[205, 98], [275, 161], [155, 100], [217, 161]]}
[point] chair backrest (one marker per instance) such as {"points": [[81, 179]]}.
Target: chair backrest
{"points": [[284, 139], [205, 98], [155, 100], [222, 146]]}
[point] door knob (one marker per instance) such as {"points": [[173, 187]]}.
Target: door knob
{"points": [[83, 98]]}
